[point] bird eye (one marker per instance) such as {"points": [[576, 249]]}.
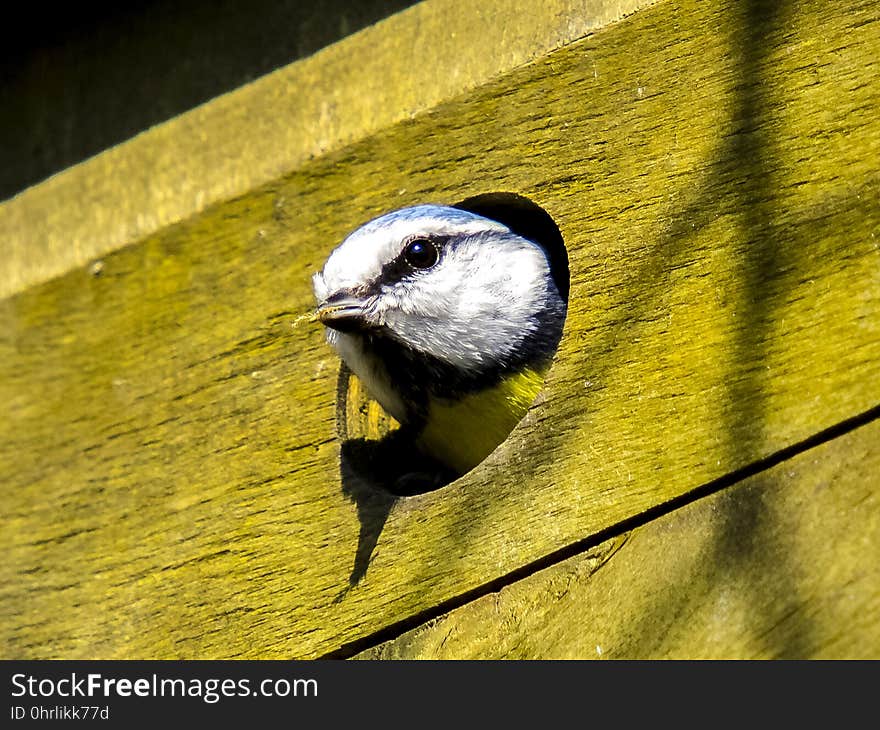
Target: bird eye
{"points": [[421, 253]]}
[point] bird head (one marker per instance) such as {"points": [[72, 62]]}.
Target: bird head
{"points": [[439, 287]]}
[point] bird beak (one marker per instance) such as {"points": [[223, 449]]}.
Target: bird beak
{"points": [[343, 312]]}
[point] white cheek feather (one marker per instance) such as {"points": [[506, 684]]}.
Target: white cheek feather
{"points": [[477, 306], [319, 286]]}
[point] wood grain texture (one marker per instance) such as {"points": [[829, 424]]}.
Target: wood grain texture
{"points": [[170, 463], [782, 565], [274, 125]]}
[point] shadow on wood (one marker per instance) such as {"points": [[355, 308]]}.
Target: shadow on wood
{"points": [[378, 464]]}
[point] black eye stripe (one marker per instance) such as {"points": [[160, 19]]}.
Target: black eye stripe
{"points": [[400, 267]]}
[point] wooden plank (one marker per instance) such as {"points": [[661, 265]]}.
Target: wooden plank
{"points": [[80, 80], [266, 129], [170, 462], [783, 565]]}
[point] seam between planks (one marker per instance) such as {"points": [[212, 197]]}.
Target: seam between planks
{"points": [[395, 630]]}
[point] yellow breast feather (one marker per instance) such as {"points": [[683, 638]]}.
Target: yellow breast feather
{"points": [[461, 433]]}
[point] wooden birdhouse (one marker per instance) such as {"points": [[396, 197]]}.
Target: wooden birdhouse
{"points": [[697, 478]]}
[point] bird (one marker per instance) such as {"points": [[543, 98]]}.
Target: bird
{"points": [[450, 319]]}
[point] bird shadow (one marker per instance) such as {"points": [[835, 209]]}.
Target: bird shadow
{"points": [[362, 484], [375, 472]]}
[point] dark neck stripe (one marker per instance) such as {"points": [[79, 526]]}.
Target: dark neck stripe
{"points": [[419, 376]]}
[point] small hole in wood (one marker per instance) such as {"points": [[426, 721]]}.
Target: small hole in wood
{"points": [[463, 425]]}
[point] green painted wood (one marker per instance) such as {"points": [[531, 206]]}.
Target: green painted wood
{"points": [[781, 565], [272, 126], [170, 461]]}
